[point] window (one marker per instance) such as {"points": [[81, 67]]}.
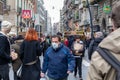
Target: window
{"points": [[1, 8]]}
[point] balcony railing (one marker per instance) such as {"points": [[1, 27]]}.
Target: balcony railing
{"points": [[6, 8], [94, 1], [75, 2]]}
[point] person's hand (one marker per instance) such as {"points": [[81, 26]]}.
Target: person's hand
{"points": [[68, 72], [42, 75], [14, 55]]}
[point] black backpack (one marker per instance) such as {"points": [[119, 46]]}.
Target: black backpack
{"points": [[110, 59]]}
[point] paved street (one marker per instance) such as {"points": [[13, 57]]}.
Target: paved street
{"points": [[71, 77], [85, 65]]}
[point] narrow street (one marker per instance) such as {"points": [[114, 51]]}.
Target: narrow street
{"points": [[38, 24], [85, 65]]}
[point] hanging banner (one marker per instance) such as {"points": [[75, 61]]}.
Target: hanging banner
{"points": [[26, 14]]}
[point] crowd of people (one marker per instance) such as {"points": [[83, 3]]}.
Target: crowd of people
{"points": [[60, 58]]}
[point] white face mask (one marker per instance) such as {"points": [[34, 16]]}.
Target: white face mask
{"points": [[55, 45]]}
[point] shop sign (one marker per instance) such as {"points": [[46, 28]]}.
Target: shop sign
{"points": [[107, 9], [26, 14]]}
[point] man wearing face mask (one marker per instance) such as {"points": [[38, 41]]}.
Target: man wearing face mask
{"points": [[58, 61]]}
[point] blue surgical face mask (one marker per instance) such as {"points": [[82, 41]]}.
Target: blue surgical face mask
{"points": [[55, 45]]}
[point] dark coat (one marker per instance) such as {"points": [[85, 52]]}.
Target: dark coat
{"points": [[93, 45], [4, 50], [44, 46], [87, 42], [56, 62], [30, 50]]}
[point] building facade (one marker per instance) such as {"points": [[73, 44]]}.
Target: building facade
{"points": [[103, 13], [49, 26], [56, 28], [11, 10], [42, 16], [76, 15]]}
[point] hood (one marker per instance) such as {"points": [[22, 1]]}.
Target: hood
{"points": [[112, 42], [98, 40]]}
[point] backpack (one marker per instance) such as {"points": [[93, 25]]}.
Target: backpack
{"points": [[77, 47], [110, 59]]}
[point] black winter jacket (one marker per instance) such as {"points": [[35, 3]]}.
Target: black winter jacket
{"points": [[29, 50], [93, 45], [4, 50]]}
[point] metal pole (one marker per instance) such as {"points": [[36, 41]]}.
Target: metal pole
{"points": [[91, 23]]}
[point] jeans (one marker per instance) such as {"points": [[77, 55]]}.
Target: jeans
{"points": [[57, 79], [4, 72]]}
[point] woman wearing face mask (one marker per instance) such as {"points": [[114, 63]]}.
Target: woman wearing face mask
{"points": [[56, 61]]}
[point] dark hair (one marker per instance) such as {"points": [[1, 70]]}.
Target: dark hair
{"points": [[19, 37], [77, 37], [57, 36], [115, 15]]}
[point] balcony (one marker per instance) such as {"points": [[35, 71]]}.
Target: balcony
{"points": [[75, 3], [94, 1], [6, 8], [19, 9], [84, 4]]}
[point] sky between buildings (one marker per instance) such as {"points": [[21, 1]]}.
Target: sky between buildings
{"points": [[53, 7]]}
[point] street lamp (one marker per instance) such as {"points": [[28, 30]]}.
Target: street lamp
{"points": [[91, 23]]}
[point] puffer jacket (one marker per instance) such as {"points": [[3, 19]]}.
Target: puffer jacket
{"points": [[58, 62], [99, 69]]}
